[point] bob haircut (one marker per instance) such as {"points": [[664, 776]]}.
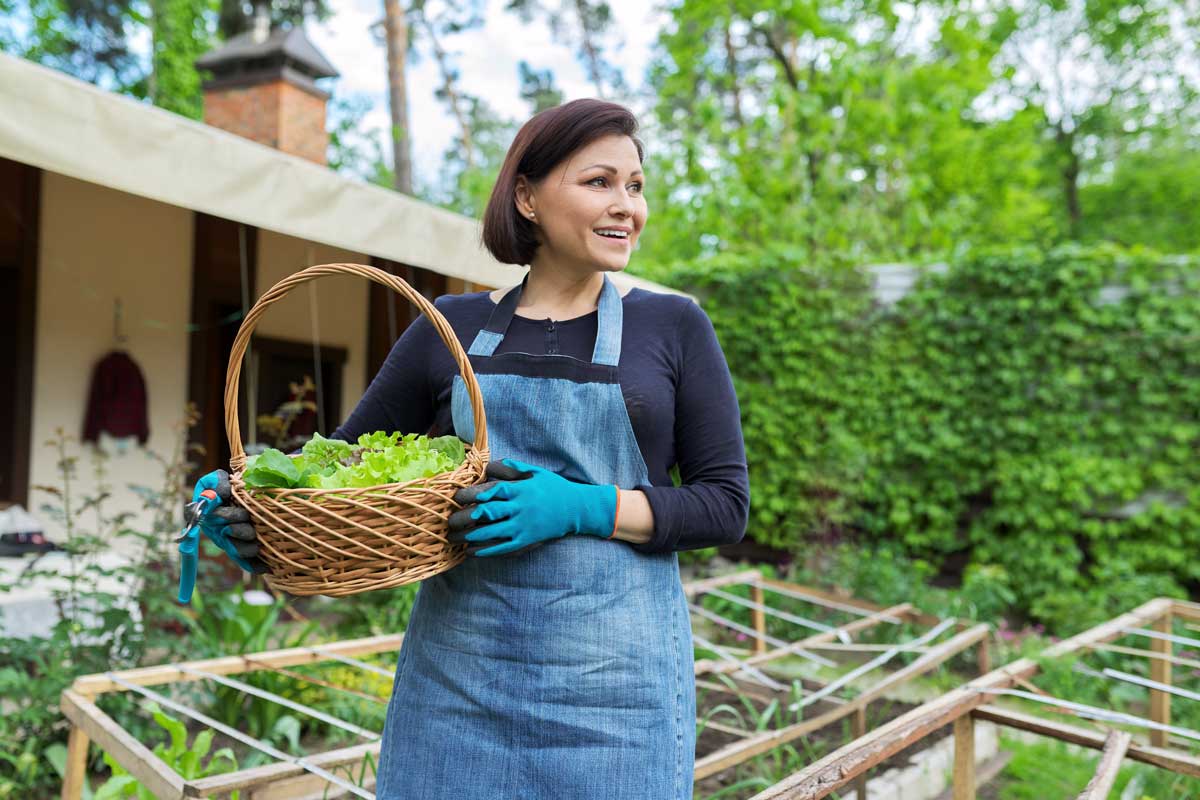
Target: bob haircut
{"points": [[545, 141]]}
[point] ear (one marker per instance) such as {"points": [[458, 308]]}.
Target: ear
{"points": [[523, 197]]}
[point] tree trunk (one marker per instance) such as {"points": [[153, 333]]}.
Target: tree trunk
{"points": [[451, 93], [731, 63], [1070, 177], [396, 29], [589, 48]]}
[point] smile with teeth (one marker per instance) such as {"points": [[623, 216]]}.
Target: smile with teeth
{"points": [[612, 234]]}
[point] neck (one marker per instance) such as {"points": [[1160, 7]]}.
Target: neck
{"points": [[559, 295]]}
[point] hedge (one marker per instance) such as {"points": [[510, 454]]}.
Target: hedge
{"points": [[1037, 412]]}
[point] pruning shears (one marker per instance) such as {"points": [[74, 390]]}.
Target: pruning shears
{"points": [[189, 541]]}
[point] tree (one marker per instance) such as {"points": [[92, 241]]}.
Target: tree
{"points": [[354, 149], [237, 16], [1102, 72], [465, 188], [89, 39], [833, 126], [583, 25], [397, 41], [435, 25], [537, 87], [179, 35]]}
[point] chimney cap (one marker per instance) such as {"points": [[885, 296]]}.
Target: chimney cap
{"points": [[286, 44]]}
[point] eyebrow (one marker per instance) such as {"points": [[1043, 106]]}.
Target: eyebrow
{"points": [[613, 170]]}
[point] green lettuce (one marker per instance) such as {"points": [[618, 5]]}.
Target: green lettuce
{"points": [[377, 458]]}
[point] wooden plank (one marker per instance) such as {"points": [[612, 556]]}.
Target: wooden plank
{"points": [[862, 648], [984, 773], [306, 787], [859, 728], [839, 767], [1101, 784], [1164, 758], [1114, 628], [149, 769], [704, 666], [269, 774], [1185, 609], [91, 685], [760, 618], [738, 752], [1133, 651], [985, 656], [692, 588], [963, 778], [822, 594], [1160, 671], [75, 774]]}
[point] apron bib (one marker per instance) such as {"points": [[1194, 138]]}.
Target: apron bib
{"points": [[564, 672]]}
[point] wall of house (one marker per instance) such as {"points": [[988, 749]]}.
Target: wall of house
{"points": [[340, 304], [97, 245]]}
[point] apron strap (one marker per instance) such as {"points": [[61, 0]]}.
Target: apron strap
{"points": [[608, 327]]}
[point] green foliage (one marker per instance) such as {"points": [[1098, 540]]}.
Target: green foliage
{"points": [[229, 624], [186, 759], [794, 337], [877, 133], [376, 613], [96, 630], [1032, 411], [179, 34], [1028, 415], [1026, 776], [1150, 199]]}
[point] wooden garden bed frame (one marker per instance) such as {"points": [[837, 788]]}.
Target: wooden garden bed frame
{"points": [[870, 615], [963, 706], [300, 777]]}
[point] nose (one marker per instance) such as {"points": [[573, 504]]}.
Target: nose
{"points": [[623, 205]]}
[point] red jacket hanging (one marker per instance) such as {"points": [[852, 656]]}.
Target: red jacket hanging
{"points": [[117, 401]]}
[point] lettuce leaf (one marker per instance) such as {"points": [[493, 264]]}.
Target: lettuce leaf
{"points": [[321, 452], [272, 469]]}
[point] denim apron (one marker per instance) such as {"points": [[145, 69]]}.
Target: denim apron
{"points": [[564, 672]]}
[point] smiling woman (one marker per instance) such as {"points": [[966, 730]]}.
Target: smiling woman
{"points": [[556, 661]]}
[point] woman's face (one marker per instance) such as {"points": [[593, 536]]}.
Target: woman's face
{"points": [[598, 187]]}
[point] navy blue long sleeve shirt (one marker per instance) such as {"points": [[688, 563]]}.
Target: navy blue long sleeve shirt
{"points": [[674, 378]]}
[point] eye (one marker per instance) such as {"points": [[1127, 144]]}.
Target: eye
{"points": [[635, 183]]}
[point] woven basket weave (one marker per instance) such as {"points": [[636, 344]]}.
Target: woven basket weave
{"points": [[339, 542]]}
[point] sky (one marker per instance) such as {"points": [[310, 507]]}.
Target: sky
{"points": [[487, 60]]}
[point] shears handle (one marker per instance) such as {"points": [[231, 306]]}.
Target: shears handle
{"points": [[189, 545]]}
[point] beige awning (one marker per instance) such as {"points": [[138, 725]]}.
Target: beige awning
{"points": [[61, 124]]}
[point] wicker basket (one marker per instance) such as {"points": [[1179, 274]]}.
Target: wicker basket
{"points": [[345, 541]]}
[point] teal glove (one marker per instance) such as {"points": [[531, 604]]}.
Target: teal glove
{"points": [[521, 513], [226, 524]]}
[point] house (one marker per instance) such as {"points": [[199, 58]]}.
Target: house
{"points": [[124, 226]]}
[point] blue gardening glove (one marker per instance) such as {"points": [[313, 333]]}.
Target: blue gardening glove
{"points": [[226, 524], [520, 511]]}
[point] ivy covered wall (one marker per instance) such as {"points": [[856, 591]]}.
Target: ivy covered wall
{"points": [[1036, 412]]}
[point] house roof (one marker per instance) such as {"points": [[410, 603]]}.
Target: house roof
{"points": [[288, 42], [61, 124]]}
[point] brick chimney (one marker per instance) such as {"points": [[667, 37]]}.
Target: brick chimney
{"points": [[264, 88]]}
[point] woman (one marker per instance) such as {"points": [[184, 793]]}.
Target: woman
{"points": [[556, 661]]}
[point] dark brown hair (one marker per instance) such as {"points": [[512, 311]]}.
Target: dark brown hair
{"points": [[545, 141]]}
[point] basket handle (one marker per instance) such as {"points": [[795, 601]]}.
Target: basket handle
{"points": [[233, 430]]}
